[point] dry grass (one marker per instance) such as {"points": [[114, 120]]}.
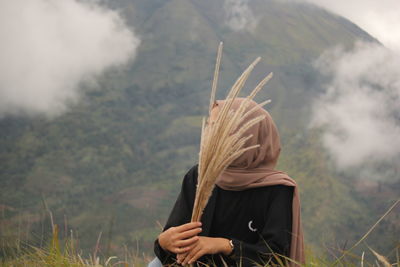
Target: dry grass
{"points": [[67, 255], [64, 255], [223, 141], [54, 256]]}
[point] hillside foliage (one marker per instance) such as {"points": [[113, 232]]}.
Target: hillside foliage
{"points": [[113, 164]]}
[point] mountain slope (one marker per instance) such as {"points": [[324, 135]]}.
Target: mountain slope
{"points": [[115, 161]]}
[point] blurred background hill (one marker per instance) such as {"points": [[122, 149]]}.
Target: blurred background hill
{"points": [[113, 162]]}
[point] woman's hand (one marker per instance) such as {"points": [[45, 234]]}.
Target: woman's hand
{"points": [[205, 245], [179, 239]]}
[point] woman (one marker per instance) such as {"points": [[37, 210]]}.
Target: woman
{"points": [[254, 210]]}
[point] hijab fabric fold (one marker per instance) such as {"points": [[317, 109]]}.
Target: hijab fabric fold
{"points": [[256, 168]]}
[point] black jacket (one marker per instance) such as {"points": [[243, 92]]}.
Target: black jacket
{"points": [[258, 221]]}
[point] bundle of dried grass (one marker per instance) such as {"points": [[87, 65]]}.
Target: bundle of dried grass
{"points": [[223, 141]]}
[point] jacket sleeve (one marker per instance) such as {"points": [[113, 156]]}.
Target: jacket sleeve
{"points": [[180, 214], [275, 237]]}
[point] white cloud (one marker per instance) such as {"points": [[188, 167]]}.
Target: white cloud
{"points": [[361, 107], [239, 16], [48, 48]]}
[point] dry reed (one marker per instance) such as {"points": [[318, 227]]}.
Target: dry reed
{"points": [[223, 141]]}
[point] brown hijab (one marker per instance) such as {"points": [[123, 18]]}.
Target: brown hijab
{"points": [[256, 168]]}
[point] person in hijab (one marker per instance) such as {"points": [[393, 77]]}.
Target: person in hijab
{"points": [[252, 214]]}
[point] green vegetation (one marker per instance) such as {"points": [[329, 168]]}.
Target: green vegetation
{"points": [[67, 255], [113, 164], [64, 255]]}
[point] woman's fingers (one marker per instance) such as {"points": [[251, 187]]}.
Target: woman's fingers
{"points": [[172, 238], [187, 242], [180, 257], [191, 254], [179, 250], [184, 246], [187, 226], [184, 252], [199, 253], [204, 245], [189, 233]]}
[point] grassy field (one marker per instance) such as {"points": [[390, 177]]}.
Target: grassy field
{"points": [[57, 255], [67, 254]]}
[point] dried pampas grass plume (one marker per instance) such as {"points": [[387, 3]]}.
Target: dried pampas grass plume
{"points": [[223, 141]]}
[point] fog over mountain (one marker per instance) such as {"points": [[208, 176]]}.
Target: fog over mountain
{"points": [[361, 99], [361, 106]]}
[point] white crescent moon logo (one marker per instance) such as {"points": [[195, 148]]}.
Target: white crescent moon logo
{"points": [[251, 228]]}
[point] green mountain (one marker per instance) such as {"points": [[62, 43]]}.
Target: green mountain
{"points": [[113, 163]]}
